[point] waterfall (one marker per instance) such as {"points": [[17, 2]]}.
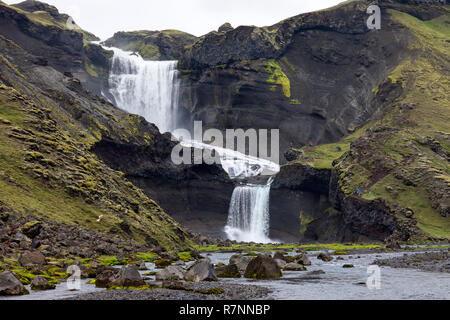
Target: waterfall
{"points": [[146, 88], [248, 214], [151, 89]]}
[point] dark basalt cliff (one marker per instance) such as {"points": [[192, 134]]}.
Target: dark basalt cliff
{"points": [[372, 104], [42, 30], [153, 45]]}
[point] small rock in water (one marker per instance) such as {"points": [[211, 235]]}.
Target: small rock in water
{"points": [[128, 276], [280, 263], [41, 283], [241, 261], [348, 266], [302, 259], [294, 267], [316, 272], [324, 257]]}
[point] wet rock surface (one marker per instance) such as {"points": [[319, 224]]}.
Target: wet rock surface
{"points": [[191, 291], [427, 261]]}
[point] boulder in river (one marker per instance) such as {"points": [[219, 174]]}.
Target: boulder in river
{"points": [[10, 285], [302, 259], [241, 261], [280, 263], [104, 278], [263, 267], [170, 273], [281, 256], [292, 266], [316, 272], [41, 283], [128, 276], [324, 257], [201, 270], [228, 271]]}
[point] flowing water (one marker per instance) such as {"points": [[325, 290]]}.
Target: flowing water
{"points": [[248, 216], [146, 88], [337, 283], [151, 89]]}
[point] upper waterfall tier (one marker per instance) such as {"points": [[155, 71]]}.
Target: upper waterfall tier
{"points": [[147, 88]]}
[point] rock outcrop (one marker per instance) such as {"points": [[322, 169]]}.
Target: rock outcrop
{"points": [[153, 45]]}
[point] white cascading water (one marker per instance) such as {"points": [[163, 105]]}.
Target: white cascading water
{"points": [[147, 88], [151, 89], [248, 214]]}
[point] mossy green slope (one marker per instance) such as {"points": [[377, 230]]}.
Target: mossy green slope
{"points": [[47, 169], [403, 154]]}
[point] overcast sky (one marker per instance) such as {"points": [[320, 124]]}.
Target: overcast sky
{"points": [[198, 17]]}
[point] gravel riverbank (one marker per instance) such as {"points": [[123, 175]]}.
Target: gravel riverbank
{"points": [[438, 261], [184, 291]]}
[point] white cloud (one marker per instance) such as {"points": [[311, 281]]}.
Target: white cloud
{"points": [[104, 17]]}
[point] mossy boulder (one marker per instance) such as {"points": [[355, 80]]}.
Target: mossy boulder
{"points": [[227, 271], [32, 229], [263, 267]]}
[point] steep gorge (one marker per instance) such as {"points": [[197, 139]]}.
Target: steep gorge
{"points": [[322, 78]]}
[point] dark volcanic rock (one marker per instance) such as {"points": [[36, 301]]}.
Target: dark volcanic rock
{"points": [[128, 276], [32, 258], [105, 278], [263, 267], [324, 257], [153, 45], [10, 285], [170, 273], [201, 270], [228, 271], [41, 283], [294, 267]]}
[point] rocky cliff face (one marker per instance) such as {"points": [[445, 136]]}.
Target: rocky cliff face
{"points": [[319, 78], [153, 45], [49, 123], [398, 160], [372, 104], [42, 30], [311, 76]]}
